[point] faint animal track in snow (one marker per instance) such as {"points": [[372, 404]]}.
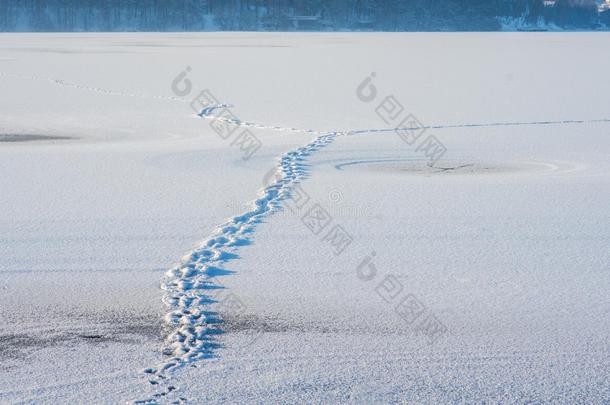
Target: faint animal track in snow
{"points": [[480, 125], [65, 83]]}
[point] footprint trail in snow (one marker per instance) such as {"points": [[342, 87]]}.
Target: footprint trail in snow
{"points": [[190, 287]]}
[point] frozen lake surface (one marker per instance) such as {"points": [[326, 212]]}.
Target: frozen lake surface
{"points": [[287, 244]]}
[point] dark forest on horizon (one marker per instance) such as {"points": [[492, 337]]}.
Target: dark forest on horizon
{"points": [[301, 15]]}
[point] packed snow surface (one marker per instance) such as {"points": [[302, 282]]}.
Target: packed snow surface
{"points": [[240, 217]]}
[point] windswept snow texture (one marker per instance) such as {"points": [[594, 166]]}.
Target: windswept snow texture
{"points": [[109, 178]]}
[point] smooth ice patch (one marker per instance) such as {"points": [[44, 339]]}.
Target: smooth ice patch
{"points": [[422, 167], [31, 137]]}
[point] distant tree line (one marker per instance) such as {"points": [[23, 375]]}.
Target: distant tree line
{"points": [[297, 15]]}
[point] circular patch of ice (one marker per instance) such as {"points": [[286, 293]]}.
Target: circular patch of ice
{"points": [[450, 167]]}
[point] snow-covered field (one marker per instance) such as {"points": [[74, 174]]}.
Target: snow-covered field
{"points": [[315, 255]]}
